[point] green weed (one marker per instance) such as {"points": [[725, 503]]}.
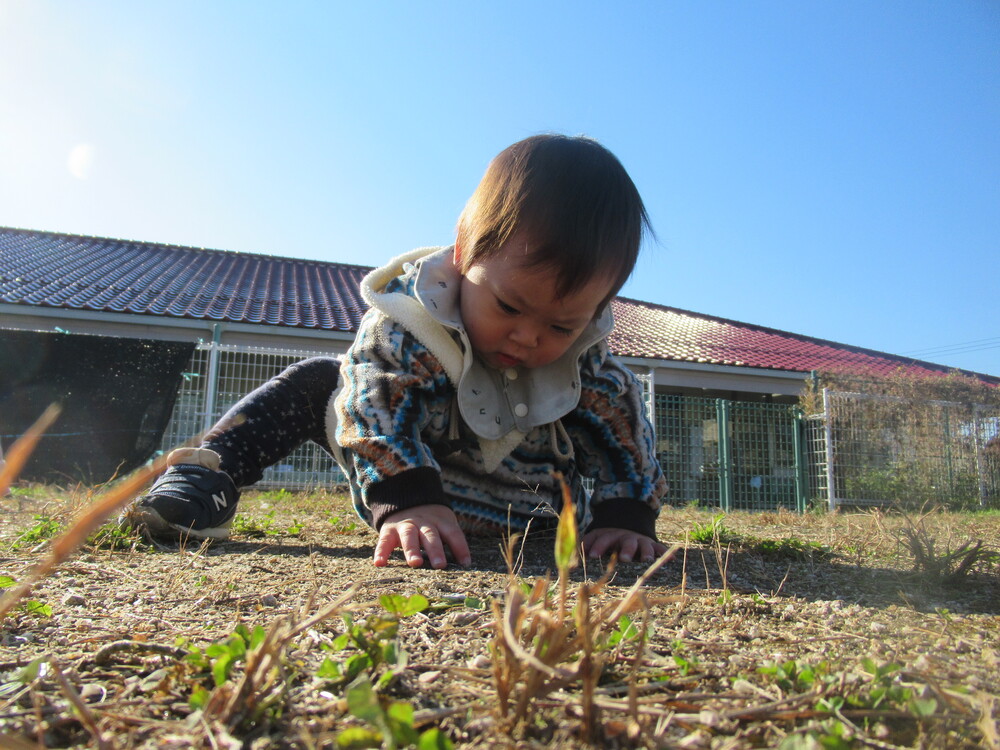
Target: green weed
{"points": [[791, 676], [373, 642], [831, 734], [881, 688], [685, 661], [219, 659], [276, 496], [32, 492], [712, 532], [342, 525], [113, 536], [45, 528], [792, 548], [31, 606], [626, 631], [21, 680], [725, 598], [390, 722], [258, 527]]}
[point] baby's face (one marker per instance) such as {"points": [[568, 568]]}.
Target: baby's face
{"points": [[513, 317]]}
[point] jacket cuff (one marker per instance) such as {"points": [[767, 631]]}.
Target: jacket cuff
{"points": [[622, 513], [421, 486]]}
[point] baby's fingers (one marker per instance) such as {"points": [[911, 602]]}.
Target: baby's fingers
{"points": [[388, 540], [409, 540], [628, 544], [597, 543], [456, 542]]}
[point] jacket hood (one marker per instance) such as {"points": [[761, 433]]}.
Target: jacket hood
{"points": [[493, 403]]}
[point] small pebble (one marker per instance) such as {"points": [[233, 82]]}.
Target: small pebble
{"points": [[153, 680], [92, 693], [73, 600], [743, 687], [482, 661], [461, 619]]}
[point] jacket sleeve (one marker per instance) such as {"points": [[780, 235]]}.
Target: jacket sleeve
{"points": [[389, 380], [614, 444]]}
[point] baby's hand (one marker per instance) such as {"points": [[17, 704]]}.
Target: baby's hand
{"points": [[628, 544], [427, 527]]}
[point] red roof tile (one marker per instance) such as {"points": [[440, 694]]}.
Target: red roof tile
{"points": [[90, 273], [647, 330]]}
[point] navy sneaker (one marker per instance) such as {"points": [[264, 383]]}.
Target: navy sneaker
{"points": [[187, 500]]}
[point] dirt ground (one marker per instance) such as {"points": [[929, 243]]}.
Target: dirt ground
{"points": [[821, 630]]}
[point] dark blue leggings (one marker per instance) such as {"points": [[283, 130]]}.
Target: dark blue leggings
{"points": [[270, 422]]}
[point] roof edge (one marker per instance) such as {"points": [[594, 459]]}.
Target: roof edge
{"points": [[903, 361], [171, 246]]}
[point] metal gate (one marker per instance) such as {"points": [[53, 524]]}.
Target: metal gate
{"points": [[735, 455]]}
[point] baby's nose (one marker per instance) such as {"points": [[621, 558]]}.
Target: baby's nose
{"points": [[525, 335]]}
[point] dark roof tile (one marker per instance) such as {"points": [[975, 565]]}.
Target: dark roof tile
{"points": [[91, 273]]}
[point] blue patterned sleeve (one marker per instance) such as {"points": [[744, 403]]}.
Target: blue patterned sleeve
{"points": [[614, 444], [385, 418]]}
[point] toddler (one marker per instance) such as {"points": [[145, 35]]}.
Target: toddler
{"points": [[478, 376]]}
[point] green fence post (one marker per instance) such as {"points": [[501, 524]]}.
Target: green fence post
{"points": [[798, 448], [725, 470]]}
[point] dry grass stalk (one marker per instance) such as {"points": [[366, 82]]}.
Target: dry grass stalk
{"points": [[542, 646], [83, 712], [17, 456], [941, 566], [945, 566], [987, 724]]}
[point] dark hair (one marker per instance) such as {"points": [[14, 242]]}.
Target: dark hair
{"points": [[570, 199]]}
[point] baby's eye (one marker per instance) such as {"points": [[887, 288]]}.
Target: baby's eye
{"points": [[562, 330], [507, 308]]}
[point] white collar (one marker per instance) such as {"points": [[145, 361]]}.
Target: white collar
{"points": [[493, 402]]}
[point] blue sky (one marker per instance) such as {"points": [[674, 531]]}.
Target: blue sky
{"points": [[826, 168]]}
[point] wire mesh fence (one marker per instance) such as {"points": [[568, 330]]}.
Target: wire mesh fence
{"points": [[734, 455], [882, 450], [715, 452]]}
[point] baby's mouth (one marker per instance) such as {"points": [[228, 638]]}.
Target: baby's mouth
{"points": [[505, 360]]}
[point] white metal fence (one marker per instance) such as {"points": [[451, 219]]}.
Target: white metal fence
{"points": [[877, 450], [220, 375]]}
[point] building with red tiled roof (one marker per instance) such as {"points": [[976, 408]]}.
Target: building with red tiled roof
{"points": [[95, 285], [51, 281], [719, 390]]}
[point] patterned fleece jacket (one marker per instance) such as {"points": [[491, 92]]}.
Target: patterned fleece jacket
{"points": [[419, 419]]}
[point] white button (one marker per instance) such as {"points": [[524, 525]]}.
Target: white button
{"points": [[511, 374], [521, 410]]}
